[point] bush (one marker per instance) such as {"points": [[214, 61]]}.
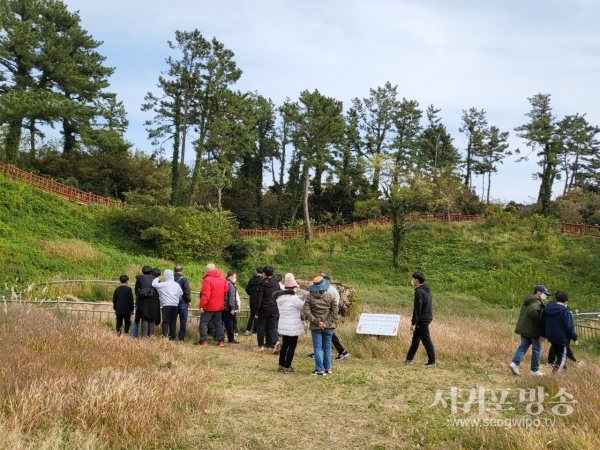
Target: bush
{"points": [[180, 233]]}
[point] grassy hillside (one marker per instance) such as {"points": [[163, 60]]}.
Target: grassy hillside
{"points": [[494, 262], [43, 237]]}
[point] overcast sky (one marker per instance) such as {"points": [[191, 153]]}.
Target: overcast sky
{"points": [[455, 54]]}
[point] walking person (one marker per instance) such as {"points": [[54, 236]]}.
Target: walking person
{"points": [[214, 288], [290, 325], [267, 312], [528, 327], [123, 304], [421, 319], [230, 307], [253, 291], [321, 310], [184, 304], [170, 297], [558, 327]]}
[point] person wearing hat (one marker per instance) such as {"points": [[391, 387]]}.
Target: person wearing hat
{"points": [[335, 340], [558, 327], [321, 310], [290, 324], [528, 326]]}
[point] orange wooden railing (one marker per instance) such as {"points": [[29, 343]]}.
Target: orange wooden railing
{"points": [[580, 228], [290, 234], [52, 187]]}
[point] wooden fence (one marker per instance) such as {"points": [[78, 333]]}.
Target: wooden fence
{"points": [[290, 234], [580, 228], [587, 325], [52, 187]]}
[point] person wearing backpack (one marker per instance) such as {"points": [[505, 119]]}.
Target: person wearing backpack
{"points": [[185, 302]]}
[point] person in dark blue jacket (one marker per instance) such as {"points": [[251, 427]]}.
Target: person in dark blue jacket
{"points": [[558, 327]]}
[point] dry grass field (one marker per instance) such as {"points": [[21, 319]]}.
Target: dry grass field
{"points": [[67, 384]]}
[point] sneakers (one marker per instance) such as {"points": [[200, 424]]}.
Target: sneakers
{"points": [[408, 361], [514, 368], [536, 373], [289, 370], [233, 342], [311, 356], [342, 355], [318, 373], [220, 344], [328, 371], [429, 365], [281, 369], [277, 348], [579, 362], [235, 335], [259, 349], [549, 365], [247, 333]]}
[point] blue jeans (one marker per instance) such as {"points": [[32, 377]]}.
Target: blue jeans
{"points": [[322, 348], [536, 352], [183, 318]]}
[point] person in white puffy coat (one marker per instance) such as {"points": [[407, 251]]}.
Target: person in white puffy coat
{"points": [[290, 323]]}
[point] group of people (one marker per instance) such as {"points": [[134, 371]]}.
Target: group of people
{"points": [[173, 293], [538, 322], [278, 308]]}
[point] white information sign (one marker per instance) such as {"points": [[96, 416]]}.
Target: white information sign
{"points": [[379, 324]]}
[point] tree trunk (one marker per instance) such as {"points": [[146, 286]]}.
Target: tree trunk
{"points": [[489, 183], [32, 139], [12, 140], [307, 228], [69, 136]]}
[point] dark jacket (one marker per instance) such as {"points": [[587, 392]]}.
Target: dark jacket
{"points": [[266, 302], [320, 307], [147, 308], [214, 288], [123, 300], [230, 297], [185, 287], [423, 306], [253, 289], [557, 324], [528, 324]]}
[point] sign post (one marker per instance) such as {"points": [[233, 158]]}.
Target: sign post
{"points": [[378, 324]]}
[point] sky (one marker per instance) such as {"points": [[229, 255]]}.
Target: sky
{"points": [[458, 54]]}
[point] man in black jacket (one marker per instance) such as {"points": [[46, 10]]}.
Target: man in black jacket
{"points": [[185, 301], [421, 318], [253, 291], [267, 312]]}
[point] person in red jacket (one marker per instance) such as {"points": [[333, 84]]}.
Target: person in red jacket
{"points": [[212, 296]]}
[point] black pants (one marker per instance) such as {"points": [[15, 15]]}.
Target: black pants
{"points": [[230, 322], [421, 334], [552, 355], [214, 319], [120, 319], [169, 320], [561, 357], [337, 344], [288, 348], [252, 322], [267, 325]]}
